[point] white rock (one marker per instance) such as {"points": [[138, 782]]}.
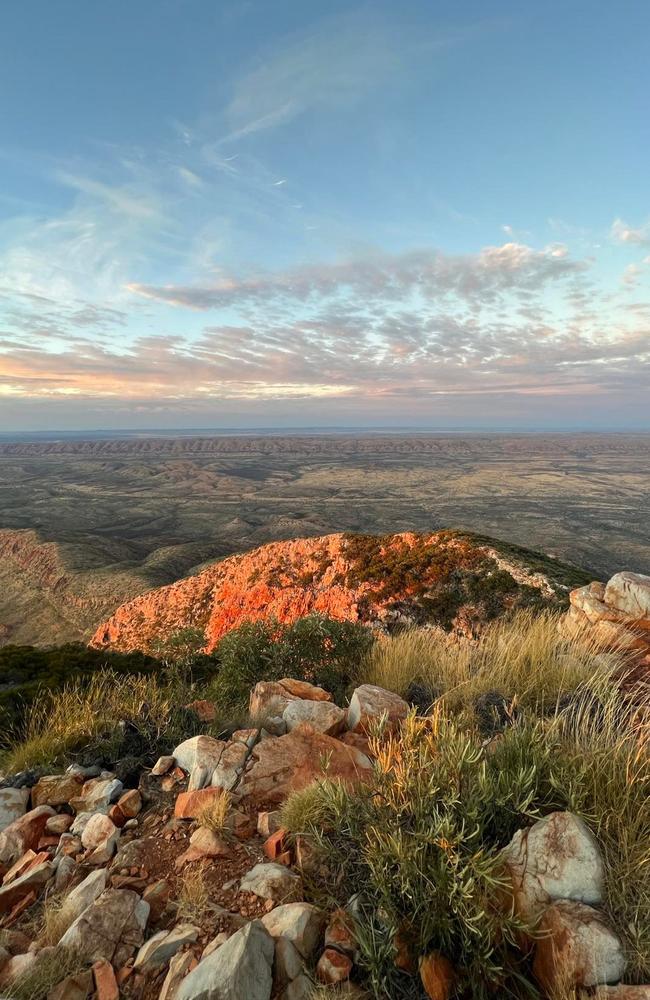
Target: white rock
{"points": [[162, 766], [301, 923], [556, 858], [289, 963], [230, 767], [83, 895], [629, 592], [322, 715], [203, 751], [240, 968], [13, 803], [370, 703], [273, 881], [162, 946], [111, 928]]}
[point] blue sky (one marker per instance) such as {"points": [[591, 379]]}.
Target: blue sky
{"points": [[218, 214]]}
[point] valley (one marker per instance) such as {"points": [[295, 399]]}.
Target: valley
{"points": [[86, 525]]}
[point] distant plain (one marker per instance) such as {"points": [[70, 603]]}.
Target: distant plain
{"points": [[126, 515]]}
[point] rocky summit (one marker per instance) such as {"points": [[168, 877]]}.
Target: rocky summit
{"points": [[449, 578]]}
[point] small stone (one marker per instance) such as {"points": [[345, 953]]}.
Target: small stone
{"points": [[56, 789], [162, 766], [162, 946], [268, 823], [437, 975], [105, 982], [301, 923], [157, 896], [333, 966], [58, 824], [274, 882]]}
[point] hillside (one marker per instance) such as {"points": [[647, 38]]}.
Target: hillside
{"points": [[448, 578], [88, 525]]}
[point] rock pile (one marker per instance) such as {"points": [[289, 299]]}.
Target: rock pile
{"points": [[167, 895], [618, 615]]}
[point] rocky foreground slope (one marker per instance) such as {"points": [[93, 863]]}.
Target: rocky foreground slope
{"points": [[448, 578], [122, 859]]}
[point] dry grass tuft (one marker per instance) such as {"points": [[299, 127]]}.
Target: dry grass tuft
{"points": [[214, 815], [193, 899], [49, 970], [92, 713]]}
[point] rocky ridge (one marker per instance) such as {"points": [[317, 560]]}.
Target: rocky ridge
{"points": [[446, 577]]}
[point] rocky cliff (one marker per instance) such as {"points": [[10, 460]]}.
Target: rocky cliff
{"points": [[455, 580]]}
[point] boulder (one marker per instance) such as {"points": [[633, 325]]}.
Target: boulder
{"points": [[289, 962], [301, 923], [13, 803], [130, 803], [272, 881], [106, 987], [230, 767], [199, 752], [287, 764], [239, 968], [76, 987], [301, 988], [23, 834], [630, 593], [100, 836], [58, 824], [556, 858], [324, 716], [83, 895], [272, 697], [157, 896], [204, 843], [189, 805], [56, 789], [162, 946], [112, 928], [622, 992], [97, 795], [268, 823], [32, 881], [370, 703], [179, 966], [576, 948]]}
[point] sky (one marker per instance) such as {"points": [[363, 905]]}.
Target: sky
{"points": [[272, 213]]}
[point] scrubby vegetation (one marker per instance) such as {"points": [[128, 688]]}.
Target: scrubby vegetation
{"points": [[503, 731], [109, 718], [420, 846], [317, 649], [25, 671]]}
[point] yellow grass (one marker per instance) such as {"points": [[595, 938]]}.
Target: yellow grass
{"points": [[526, 657]]}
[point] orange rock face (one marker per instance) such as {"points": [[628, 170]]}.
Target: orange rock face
{"points": [[286, 581]]}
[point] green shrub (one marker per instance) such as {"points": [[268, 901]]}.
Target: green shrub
{"points": [[318, 649], [421, 845]]}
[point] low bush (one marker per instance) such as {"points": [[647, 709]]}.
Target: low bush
{"points": [[318, 649], [420, 846]]}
